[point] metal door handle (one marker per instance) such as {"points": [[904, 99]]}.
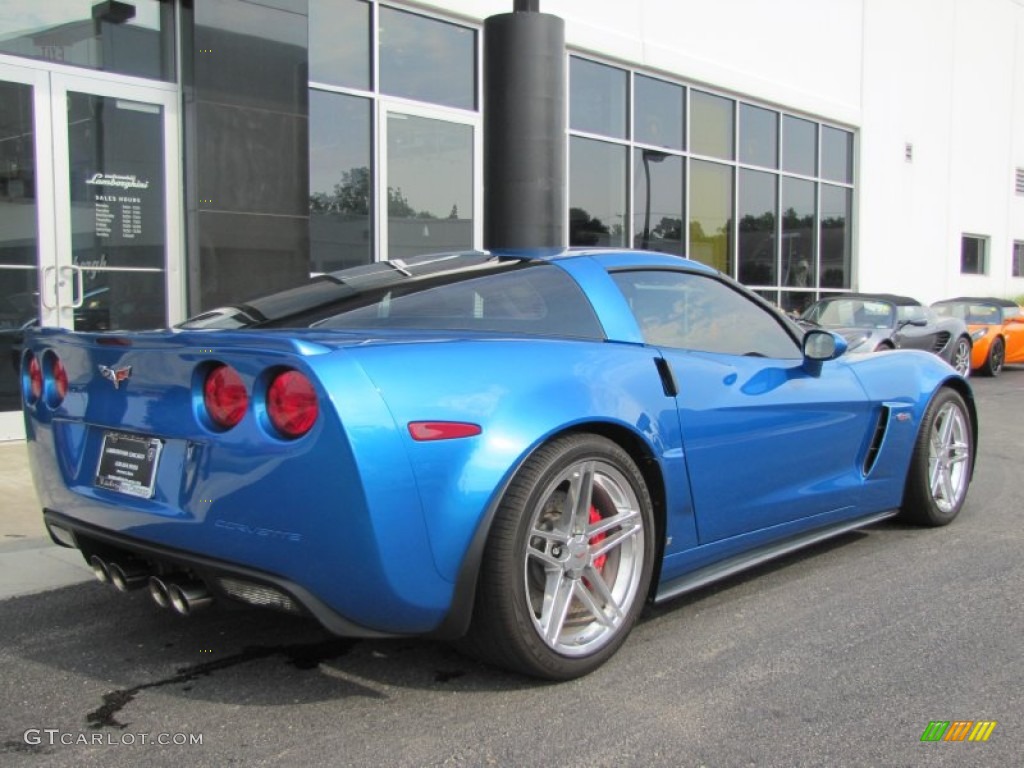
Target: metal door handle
{"points": [[45, 285], [76, 273]]}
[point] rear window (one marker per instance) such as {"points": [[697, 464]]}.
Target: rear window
{"points": [[503, 296]]}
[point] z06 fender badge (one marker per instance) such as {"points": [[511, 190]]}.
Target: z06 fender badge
{"points": [[116, 375]]}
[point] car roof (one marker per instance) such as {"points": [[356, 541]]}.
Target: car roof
{"points": [[979, 300]]}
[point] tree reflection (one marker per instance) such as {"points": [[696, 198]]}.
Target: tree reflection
{"points": [[353, 195]]}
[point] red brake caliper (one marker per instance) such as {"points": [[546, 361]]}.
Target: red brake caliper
{"points": [[595, 517]]}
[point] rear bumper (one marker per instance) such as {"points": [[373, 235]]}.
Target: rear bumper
{"points": [[223, 579]]}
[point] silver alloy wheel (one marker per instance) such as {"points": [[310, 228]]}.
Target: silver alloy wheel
{"points": [[584, 557], [949, 457], [962, 357]]}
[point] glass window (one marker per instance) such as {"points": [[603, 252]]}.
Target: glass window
{"points": [[341, 188], [597, 98], [757, 211], [504, 296], [799, 146], [659, 108], [711, 214], [1018, 259], [597, 192], [711, 125], [836, 154], [339, 42], [19, 241], [429, 184], [683, 310], [658, 201], [426, 59], [795, 302], [134, 38], [973, 253], [836, 235], [116, 179], [759, 136], [798, 247]]}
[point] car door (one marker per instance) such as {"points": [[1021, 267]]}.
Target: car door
{"points": [[767, 440], [916, 329], [1013, 331]]}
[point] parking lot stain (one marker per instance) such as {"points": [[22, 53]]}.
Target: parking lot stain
{"points": [[301, 656]]}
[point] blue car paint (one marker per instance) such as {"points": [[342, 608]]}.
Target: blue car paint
{"points": [[378, 525]]}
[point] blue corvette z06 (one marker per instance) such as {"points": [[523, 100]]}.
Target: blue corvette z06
{"points": [[516, 450]]}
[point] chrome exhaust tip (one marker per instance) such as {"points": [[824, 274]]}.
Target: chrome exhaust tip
{"points": [[158, 590], [188, 596], [129, 576], [100, 569]]}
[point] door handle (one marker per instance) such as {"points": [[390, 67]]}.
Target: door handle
{"points": [[76, 274], [47, 285]]}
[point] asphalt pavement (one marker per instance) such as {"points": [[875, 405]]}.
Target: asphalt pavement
{"points": [[840, 655]]}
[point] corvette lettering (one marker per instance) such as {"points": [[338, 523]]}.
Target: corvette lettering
{"points": [[257, 531]]}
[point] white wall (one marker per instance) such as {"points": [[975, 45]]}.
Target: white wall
{"points": [[944, 75]]}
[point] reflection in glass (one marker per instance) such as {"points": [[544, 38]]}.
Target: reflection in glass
{"points": [[711, 214], [972, 255], [19, 309], [836, 154], [116, 175], [597, 192], [135, 38], [341, 188], [597, 98], [19, 242], [799, 145], [758, 203], [339, 42], [795, 302], [658, 201], [798, 247], [836, 236], [658, 108], [429, 185], [711, 125], [18, 234], [759, 136], [426, 59]]}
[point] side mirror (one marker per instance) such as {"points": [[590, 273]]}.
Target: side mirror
{"points": [[919, 322], [821, 345]]}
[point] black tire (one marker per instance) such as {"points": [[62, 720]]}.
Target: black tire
{"points": [[996, 355], [558, 594], [961, 357], [942, 463]]}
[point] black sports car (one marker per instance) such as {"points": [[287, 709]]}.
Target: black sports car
{"points": [[874, 322]]}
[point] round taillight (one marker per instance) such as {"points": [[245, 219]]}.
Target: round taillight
{"points": [[60, 381], [291, 404], [225, 396], [35, 378]]}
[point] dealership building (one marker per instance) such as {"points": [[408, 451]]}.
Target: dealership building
{"points": [[162, 157]]}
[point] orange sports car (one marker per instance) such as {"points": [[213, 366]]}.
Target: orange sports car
{"points": [[997, 329]]}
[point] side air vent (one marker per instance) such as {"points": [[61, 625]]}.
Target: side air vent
{"points": [[876, 439], [941, 340]]}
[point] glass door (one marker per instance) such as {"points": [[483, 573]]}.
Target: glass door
{"points": [[90, 224], [431, 166], [115, 264]]}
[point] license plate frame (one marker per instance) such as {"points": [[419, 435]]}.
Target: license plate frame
{"points": [[128, 464]]}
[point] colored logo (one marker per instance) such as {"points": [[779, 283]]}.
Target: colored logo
{"points": [[959, 730], [116, 375]]}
